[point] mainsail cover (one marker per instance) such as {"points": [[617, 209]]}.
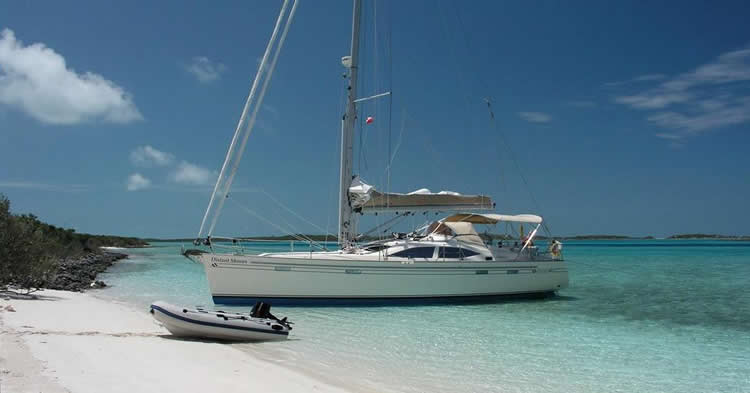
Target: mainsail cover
{"points": [[365, 198], [476, 218]]}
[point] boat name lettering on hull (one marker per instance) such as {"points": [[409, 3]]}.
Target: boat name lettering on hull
{"points": [[228, 260]]}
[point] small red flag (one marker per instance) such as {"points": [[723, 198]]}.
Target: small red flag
{"points": [[369, 120]]}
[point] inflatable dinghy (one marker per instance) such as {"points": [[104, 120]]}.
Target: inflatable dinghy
{"points": [[258, 325]]}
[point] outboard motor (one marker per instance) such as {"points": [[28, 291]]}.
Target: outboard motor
{"points": [[261, 310]]}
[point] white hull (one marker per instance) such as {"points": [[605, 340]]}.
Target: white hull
{"points": [[294, 279], [209, 325]]}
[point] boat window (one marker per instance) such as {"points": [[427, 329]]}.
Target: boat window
{"points": [[416, 252], [455, 252], [376, 247]]}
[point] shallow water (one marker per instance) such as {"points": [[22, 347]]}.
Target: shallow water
{"points": [[656, 315]]}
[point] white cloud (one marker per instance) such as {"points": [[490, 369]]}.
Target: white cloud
{"points": [[36, 80], [582, 103], [666, 135], [181, 172], [147, 156], [45, 186], [137, 182], [715, 116], [712, 96], [729, 67], [648, 77], [191, 174], [640, 78], [535, 117], [651, 100], [205, 70]]}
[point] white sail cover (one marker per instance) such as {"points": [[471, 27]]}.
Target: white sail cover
{"points": [[366, 198], [476, 218]]}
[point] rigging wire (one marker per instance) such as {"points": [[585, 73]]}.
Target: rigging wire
{"points": [[341, 104], [501, 173], [285, 207], [393, 221], [376, 88], [456, 57], [389, 55], [361, 88], [251, 121], [518, 167], [248, 102], [400, 135], [299, 237], [536, 204], [291, 229]]}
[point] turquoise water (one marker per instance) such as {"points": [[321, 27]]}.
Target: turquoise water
{"points": [[651, 316]]}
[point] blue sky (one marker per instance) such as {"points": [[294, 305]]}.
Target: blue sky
{"points": [[626, 118]]}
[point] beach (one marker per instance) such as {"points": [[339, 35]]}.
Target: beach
{"points": [[76, 342], [682, 330]]}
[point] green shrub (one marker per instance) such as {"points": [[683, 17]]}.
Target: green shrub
{"points": [[30, 249], [27, 255]]}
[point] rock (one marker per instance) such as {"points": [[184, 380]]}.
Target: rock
{"points": [[98, 284], [10, 308], [77, 274]]}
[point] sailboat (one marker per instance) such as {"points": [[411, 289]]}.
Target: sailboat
{"points": [[446, 260]]}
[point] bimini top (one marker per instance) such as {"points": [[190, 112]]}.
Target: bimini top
{"points": [[367, 199], [462, 231], [493, 218]]}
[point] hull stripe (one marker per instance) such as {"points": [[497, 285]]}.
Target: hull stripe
{"points": [[374, 300], [385, 273]]}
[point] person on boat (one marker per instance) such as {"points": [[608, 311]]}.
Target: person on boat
{"points": [[555, 247]]}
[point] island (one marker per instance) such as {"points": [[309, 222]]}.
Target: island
{"points": [[35, 255]]}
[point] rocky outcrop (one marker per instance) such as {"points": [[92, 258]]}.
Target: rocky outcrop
{"points": [[78, 274]]}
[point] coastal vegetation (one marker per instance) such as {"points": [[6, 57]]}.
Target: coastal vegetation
{"points": [[708, 236], [34, 254]]}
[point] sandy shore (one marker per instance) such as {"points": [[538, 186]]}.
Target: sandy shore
{"points": [[74, 342]]}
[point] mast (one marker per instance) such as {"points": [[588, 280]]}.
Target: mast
{"points": [[347, 219]]}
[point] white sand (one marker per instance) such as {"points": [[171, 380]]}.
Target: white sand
{"points": [[73, 342]]}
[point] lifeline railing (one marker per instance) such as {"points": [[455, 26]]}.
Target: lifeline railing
{"points": [[241, 245]]}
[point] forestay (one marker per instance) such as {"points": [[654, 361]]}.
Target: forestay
{"points": [[247, 119]]}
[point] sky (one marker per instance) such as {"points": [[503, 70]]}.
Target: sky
{"points": [[618, 118]]}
